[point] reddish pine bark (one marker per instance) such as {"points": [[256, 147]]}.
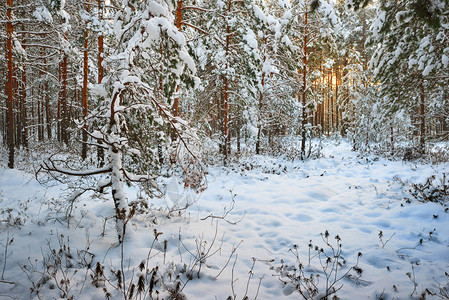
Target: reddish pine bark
{"points": [[179, 26], [84, 92], [9, 87], [100, 44], [304, 87], [337, 107], [59, 115], [65, 112], [100, 151], [226, 144], [47, 105]]}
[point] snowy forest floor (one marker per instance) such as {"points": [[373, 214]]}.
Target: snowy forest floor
{"points": [[269, 206]]}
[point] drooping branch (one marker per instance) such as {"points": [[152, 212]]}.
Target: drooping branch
{"points": [[172, 124], [53, 167]]}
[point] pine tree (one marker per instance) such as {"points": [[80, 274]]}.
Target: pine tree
{"points": [[132, 99], [410, 59], [312, 28], [229, 58]]}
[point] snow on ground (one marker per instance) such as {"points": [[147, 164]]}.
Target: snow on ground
{"points": [[278, 204]]}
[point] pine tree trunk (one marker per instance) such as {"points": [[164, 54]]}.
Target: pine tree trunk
{"points": [[59, 114], [47, 105], [392, 139], [322, 106], [423, 120], [179, 26], [9, 82], [40, 113], [259, 124], [64, 108], [331, 101], [226, 89], [100, 150], [40, 131], [262, 83], [238, 137], [329, 106], [100, 44], [304, 88], [84, 93], [364, 58], [24, 131], [32, 128], [16, 107], [230, 125], [337, 107]]}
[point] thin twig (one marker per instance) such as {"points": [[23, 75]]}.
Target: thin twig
{"points": [[229, 259]]}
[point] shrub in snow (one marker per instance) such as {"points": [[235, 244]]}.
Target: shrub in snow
{"points": [[322, 282], [70, 273], [432, 190]]}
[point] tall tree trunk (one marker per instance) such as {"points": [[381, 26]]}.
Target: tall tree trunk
{"points": [[238, 136], [100, 151], [32, 128], [65, 111], [59, 113], [179, 26], [24, 131], [304, 87], [40, 131], [47, 105], [9, 89], [322, 105], [84, 93], [337, 106], [230, 125], [226, 89], [262, 84], [259, 124], [331, 100], [422, 120], [392, 139], [100, 43], [329, 105], [40, 112], [16, 107]]}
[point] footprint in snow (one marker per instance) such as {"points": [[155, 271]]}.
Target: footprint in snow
{"points": [[268, 234], [303, 218]]}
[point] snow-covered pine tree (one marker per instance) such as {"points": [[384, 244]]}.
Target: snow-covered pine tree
{"points": [[35, 46], [145, 35], [359, 95], [312, 26], [271, 19], [228, 58], [411, 56]]}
